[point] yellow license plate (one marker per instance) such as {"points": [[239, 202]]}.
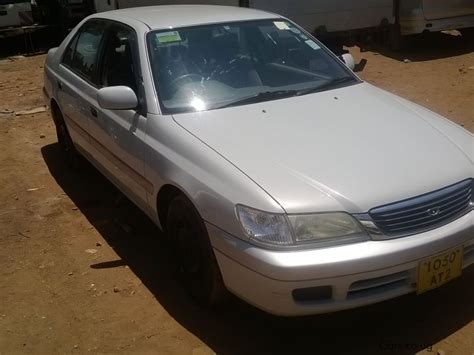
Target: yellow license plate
{"points": [[440, 269]]}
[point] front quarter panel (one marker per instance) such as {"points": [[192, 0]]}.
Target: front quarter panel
{"points": [[213, 184]]}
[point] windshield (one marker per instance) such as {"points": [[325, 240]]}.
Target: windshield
{"points": [[214, 66]]}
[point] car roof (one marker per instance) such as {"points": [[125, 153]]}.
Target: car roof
{"points": [[172, 16]]}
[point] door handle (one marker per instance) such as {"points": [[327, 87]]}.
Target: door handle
{"points": [[93, 112], [60, 85]]}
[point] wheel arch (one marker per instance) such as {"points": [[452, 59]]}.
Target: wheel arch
{"points": [[163, 199], [56, 112]]}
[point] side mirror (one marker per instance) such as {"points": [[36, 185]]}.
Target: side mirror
{"points": [[349, 60], [117, 98]]}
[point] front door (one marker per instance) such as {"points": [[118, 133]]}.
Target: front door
{"points": [[118, 135]]}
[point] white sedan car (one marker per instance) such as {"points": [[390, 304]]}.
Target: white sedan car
{"points": [[277, 173]]}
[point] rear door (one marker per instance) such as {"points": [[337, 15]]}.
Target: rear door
{"points": [[439, 9], [77, 80]]}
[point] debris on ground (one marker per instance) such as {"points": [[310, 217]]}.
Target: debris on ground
{"points": [[6, 112], [24, 235], [33, 111], [91, 251], [16, 57]]}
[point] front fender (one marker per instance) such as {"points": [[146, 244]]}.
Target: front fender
{"points": [[173, 156]]}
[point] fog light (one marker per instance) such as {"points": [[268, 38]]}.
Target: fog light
{"points": [[313, 294]]}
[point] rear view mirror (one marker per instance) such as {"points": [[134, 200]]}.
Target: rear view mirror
{"points": [[349, 60], [117, 98]]}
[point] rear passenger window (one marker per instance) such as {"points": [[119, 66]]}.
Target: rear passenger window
{"points": [[81, 54]]}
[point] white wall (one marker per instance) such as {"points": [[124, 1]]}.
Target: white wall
{"points": [[105, 5], [335, 15], [134, 3]]}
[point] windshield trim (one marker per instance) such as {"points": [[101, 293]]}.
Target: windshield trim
{"points": [[166, 111]]}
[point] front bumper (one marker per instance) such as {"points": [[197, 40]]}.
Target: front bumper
{"points": [[357, 274]]}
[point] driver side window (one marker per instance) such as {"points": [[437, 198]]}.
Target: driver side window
{"points": [[119, 67]]}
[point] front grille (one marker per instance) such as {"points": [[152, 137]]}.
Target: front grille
{"points": [[424, 212]]}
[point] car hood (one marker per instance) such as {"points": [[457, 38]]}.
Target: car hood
{"points": [[348, 149]]}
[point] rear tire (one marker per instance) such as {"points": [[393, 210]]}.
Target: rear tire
{"points": [[196, 261], [65, 141]]}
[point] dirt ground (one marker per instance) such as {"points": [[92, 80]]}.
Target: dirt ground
{"points": [[83, 271]]}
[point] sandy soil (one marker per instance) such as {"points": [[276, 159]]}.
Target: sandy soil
{"points": [[83, 271]]}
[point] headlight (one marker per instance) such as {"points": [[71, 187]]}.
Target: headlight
{"points": [[268, 228], [327, 226], [293, 230]]}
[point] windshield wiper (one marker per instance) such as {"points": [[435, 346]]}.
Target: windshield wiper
{"points": [[259, 97], [331, 84]]}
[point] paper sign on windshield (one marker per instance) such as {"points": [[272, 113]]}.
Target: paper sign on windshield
{"points": [[281, 25], [168, 37], [312, 44]]}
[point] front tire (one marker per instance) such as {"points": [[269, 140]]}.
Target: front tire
{"points": [[197, 263]]}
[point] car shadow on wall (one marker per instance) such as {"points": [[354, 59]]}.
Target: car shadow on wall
{"points": [[402, 326], [426, 46]]}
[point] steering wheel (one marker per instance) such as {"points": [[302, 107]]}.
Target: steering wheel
{"points": [[190, 77]]}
